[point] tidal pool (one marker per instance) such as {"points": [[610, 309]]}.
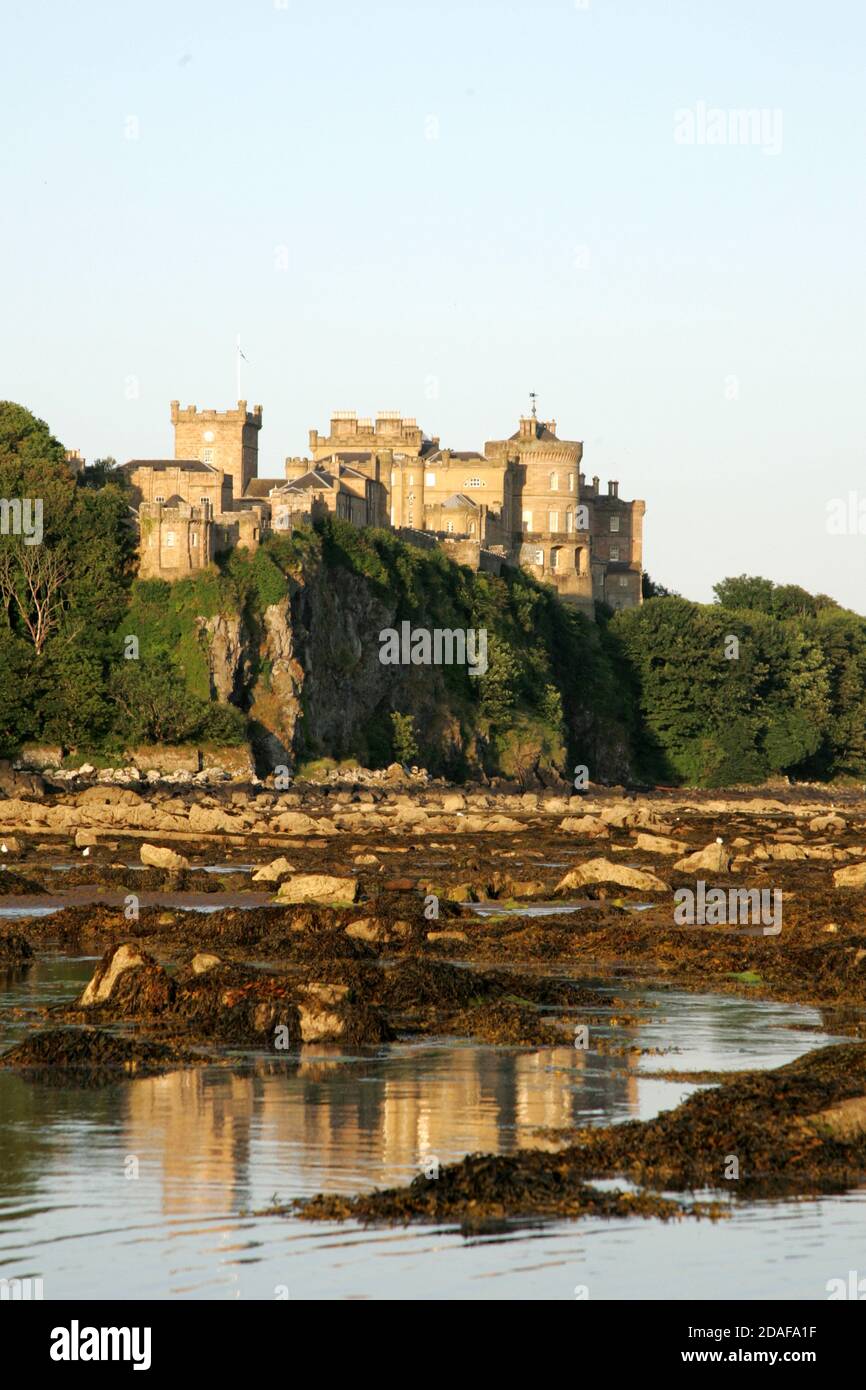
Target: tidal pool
{"points": [[146, 1189]]}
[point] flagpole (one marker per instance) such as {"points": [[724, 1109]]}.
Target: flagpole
{"points": [[238, 396]]}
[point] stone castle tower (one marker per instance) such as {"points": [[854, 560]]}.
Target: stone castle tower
{"points": [[228, 440]]}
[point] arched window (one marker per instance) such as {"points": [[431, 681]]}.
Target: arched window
{"points": [[569, 520], [554, 482]]}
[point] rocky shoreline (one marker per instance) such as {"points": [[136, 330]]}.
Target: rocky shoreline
{"points": [[240, 917]]}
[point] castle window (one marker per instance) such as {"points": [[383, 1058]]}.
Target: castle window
{"points": [[472, 482], [539, 558], [527, 522], [614, 523], [472, 528], [193, 539], [623, 581], [429, 479], [204, 501], [159, 499], [449, 526], [554, 482], [554, 521], [207, 456], [614, 552], [169, 538], [569, 520], [571, 482]]}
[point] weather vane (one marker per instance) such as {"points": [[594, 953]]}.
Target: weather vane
{"points": [[533, 397]]}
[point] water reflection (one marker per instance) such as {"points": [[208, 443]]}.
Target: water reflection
{"points": [[211, 1146]]}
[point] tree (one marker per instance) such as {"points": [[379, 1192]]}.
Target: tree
{"points": [[405, 743], [650, 589], [32, 588]]}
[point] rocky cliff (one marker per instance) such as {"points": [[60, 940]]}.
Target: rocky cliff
{"points": [[306, 668]]}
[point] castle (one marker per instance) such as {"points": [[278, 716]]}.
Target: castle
{"points": [[523, 501]]}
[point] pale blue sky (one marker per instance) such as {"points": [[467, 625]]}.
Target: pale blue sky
{"points": [[554, 237]]}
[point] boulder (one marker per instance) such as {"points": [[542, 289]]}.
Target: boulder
{"points": [[273, 872], [593, 826], [374, 930], [853, 876], [833, 821], [9, 845], [108, 971], [659, 844], [203, 961], [713, 859], [504, 824], [786, 851], [845, 1122], [318, 888], [85, 839], [159, 857], [295, 823], [603, 871]]}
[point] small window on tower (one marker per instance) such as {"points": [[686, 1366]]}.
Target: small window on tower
{"points": [[614, 523], [429, 479], [159, 498], [614, 552], [193, 539], [207, 456]]}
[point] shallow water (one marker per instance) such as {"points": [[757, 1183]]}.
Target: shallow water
{"points": [[212, 1146]]}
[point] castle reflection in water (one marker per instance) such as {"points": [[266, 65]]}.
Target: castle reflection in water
{"points": [[316, 1122]]}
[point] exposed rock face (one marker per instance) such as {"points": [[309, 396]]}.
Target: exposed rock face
{"points": [[108, 796], [15, 784], [228, 660]]}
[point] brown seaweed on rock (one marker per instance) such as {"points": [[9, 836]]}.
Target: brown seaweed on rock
{"points": [[82, 1056], [15, 949]]}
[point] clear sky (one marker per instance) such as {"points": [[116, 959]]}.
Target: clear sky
{"points": [[437, 208]]}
